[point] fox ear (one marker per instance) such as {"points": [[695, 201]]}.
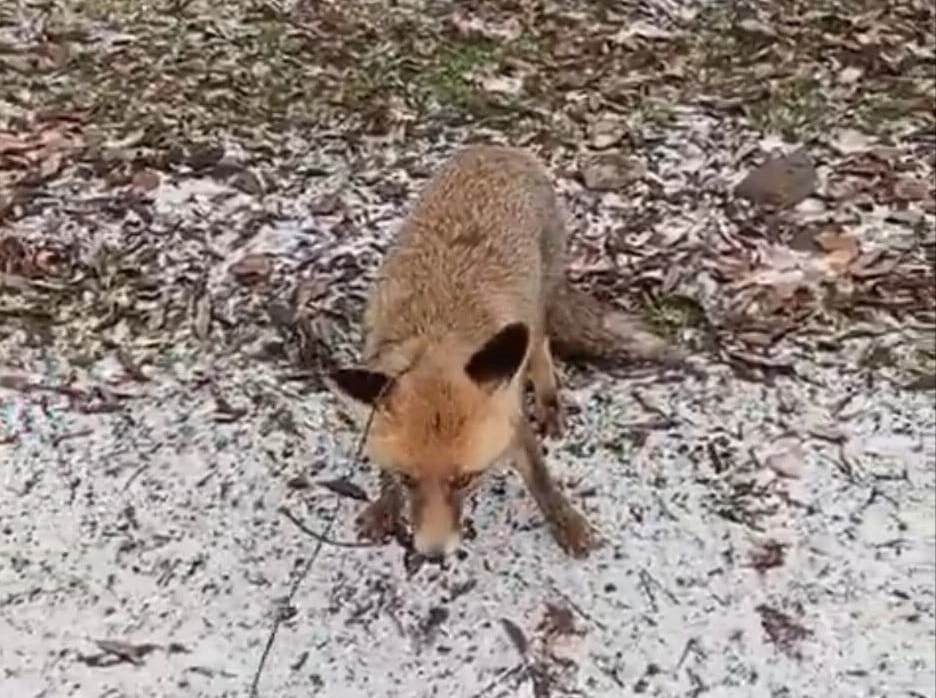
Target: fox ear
{"points": [[501, 356], [360, 385]]}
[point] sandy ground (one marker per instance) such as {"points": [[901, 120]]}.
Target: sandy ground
{"points": [[160, 525]]}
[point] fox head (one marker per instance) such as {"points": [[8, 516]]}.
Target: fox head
{"points": [[440, 424]]}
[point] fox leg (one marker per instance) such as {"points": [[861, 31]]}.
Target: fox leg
{"points": [[569, 527], [383, 518], [542, 373]]}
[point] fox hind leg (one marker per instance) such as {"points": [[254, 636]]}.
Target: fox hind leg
{"points": [[548, 410]]}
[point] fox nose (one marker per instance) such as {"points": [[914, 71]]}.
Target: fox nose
{"points": [[436, 548]]}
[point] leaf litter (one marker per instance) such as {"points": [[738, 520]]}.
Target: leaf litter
{"points": [[196, 200]]}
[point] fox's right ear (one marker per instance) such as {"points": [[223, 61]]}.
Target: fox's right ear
{"points": [[359, 386]]}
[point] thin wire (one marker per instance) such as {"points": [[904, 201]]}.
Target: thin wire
{"points": [[282, 612]]}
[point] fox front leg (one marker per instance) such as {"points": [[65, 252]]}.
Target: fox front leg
{"points": [[382, 520], [570, 528]]}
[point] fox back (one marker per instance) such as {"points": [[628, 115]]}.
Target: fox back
{"points": [[458, 305]]}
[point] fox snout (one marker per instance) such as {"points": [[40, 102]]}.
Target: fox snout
{"points": [[435, 510]]}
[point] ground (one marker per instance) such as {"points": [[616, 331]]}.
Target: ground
{"points": [[193, 197]]}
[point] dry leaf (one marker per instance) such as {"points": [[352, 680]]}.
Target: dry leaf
{"points": [[611, 171], [605, 133], [50, 166], [252, 268], [841, 250], [785, 457], [503, 84], [345, 488], [517, 638], [913, 189], [146, 180], [850, 141]]}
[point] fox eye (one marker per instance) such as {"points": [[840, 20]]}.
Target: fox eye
{"points": [[460, 482]]}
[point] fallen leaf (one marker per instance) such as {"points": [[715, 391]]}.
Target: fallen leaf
{"points": [[850, 141], [248, 182], [756, 27], [767, 555], [841, 250], [606, 132], [517, 638], [252, 268], [345, 488], [911, 189], [782, 630], [850, 75], [503, 84], [785, 457], [51, 165], [642, 30], [128, 652], [146, 180], [923, 382], [611, 172]]}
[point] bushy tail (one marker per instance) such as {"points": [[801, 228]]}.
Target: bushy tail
{"points": [[581, 327]]}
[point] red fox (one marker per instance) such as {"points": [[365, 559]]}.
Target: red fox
{"points": [[455, 324]]}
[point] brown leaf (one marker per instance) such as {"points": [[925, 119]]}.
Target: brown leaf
{"points": [[252, 268], [248, 182], [606, 132], [126, 651], [911, 189], [343, 487], [146, 180], [50, 165], [205, 155], [782, 629], [841, 249], [767, 555], [202, 319], [517, 638], [558, 620], [781, 182], [611, 172], [785, 457], [326, 204], [923, 382]]}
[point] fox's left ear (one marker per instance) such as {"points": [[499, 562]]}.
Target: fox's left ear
{"points": [[360, 387], [501, 356]]}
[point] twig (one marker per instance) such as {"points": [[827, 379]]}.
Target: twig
{"points": [[321, 537], [578, 609], [497, 681], [282, 615], [134, 475]]}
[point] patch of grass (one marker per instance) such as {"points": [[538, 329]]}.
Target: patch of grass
{"points": [[449, 81], [795, 109], [878, 357], [672, 313]]}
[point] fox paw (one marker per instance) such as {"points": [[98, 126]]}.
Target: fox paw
{"points": [[574, 534], [381, 521], [550, 416]]}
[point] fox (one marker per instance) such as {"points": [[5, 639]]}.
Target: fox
{"points": [[456, 325]]}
